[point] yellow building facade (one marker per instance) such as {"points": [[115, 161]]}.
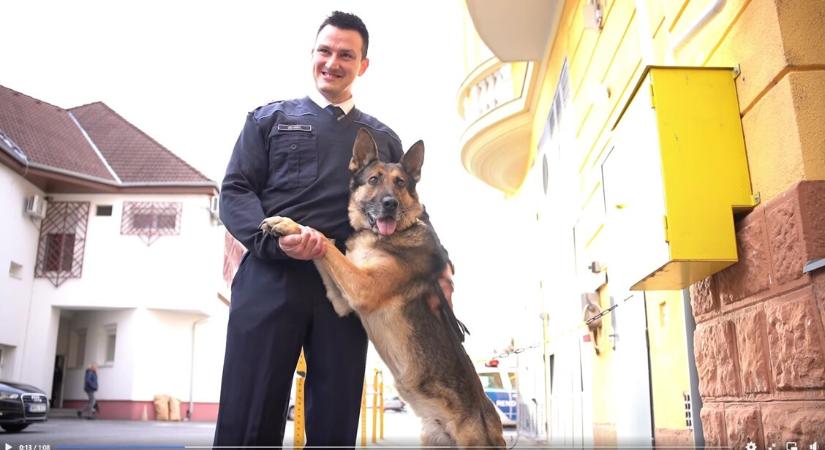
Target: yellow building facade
{"points": [[556, 104]]}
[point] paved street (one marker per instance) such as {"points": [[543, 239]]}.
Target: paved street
{"points": [[400, 430], [65, 433]]}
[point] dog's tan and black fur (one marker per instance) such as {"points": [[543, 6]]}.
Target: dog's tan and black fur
{"points": [[389, 277]]}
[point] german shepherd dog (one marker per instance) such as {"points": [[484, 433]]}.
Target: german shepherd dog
{"points": [[389, 277]]}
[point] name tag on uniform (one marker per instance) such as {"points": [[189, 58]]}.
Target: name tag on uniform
{"points": [[297, 127]]}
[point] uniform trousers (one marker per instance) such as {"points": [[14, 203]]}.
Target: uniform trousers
{"points": [[278, 307]]}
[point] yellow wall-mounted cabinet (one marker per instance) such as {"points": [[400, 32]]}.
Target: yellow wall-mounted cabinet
{"points": [[676, 173]]}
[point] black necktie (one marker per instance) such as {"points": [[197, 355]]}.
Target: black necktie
{"points": [[336, 112]]}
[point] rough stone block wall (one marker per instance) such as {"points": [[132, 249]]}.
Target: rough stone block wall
{"points": [[760, 334]]}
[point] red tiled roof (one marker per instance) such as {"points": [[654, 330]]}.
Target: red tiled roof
{"points": [[48, 135], [134, 156]]}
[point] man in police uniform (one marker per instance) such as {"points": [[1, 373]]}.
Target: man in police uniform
{"points": [[292, 159]]}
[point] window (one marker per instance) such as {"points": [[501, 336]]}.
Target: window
{"points": [[150, 220], [111, 341], [143, 221], [513, 380], [557, 132], [16, 270], [167, 221], [59, 252], [62, 240], [77, 348], [491, 380], [103, 210]]}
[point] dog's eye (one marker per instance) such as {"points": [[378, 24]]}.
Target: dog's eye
{"points": [[400, 182], [373, 180]]}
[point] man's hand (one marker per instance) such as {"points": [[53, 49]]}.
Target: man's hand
{"points": [[310, 244], [446, 282]]}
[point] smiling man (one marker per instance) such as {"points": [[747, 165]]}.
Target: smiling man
{"points": [[292, 159]]}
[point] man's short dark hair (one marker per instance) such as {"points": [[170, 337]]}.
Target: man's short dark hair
{"points": [[347, 21]]}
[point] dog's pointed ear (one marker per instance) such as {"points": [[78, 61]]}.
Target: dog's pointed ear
{"points": [[364, 151], [413, 160]]}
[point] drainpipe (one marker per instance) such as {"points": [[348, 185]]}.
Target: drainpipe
{"points": [[649, 374], [192, 370], [713, 9], [545, 360]]}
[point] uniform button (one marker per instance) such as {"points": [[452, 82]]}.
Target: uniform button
{"points": [[293, 146]]}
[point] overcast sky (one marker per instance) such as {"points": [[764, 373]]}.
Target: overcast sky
{"points": [[187, 72]]}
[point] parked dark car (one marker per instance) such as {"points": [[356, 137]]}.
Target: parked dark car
{"points": [[21, 405]]}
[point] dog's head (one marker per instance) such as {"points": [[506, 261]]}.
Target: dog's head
{"points": [[382, 194]]}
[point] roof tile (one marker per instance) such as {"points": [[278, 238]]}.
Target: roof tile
{"points": [[48, 135], [134, 156]]}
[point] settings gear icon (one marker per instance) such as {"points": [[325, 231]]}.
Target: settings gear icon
{"points": [[750, 446]]}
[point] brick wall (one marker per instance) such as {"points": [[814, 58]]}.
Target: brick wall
{"points": [[760, 334]]}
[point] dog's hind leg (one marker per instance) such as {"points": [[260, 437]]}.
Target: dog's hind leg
{"points": [[433, 434], [479, 430]]}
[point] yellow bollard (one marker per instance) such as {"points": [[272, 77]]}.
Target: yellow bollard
{"points": [[364, 415], [301, 369], [374, 402], [381, 402]]}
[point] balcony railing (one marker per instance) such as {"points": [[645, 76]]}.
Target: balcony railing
{"points": [[498, 84], [495, 101]]}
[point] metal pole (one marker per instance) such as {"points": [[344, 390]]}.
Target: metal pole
{"points": [[190, 411], [374, 403], [381, 402], [299, 425], [364, 415]]}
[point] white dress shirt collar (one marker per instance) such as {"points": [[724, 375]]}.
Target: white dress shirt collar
{"points": [[322, 101]]}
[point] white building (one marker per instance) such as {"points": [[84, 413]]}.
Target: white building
{"points": [[114, 255]]}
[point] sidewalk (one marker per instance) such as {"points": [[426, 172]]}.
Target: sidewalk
{"points": [[403, 430]]}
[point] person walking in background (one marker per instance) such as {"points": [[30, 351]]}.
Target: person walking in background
{"points": [[90, 387]]}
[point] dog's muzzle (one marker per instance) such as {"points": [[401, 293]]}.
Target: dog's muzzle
{"points": [[383, 219]]}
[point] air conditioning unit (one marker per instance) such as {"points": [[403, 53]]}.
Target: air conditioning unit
{"points": [[36, 206], [214, 203]]}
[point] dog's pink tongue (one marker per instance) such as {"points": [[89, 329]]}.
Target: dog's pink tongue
{"points": [[386, 226]]}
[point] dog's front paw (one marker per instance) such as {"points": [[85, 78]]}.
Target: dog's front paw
{"points": [[280, 226]]}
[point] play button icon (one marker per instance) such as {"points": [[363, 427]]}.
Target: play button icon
{"points": [[8, 447]]}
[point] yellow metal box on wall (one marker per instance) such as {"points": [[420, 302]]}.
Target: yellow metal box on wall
{"points": [[676, 173]]}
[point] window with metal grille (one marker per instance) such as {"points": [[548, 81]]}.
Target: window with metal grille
{"points": [[151, 220], [59, 252], [688, 413], [62, 240]]}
